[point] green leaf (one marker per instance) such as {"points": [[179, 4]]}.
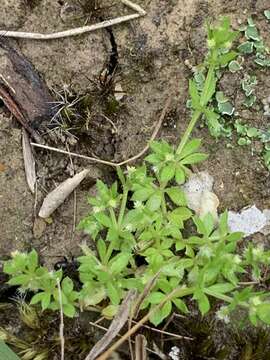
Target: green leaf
{"points": [[202, 300], [159, 315], [6, 353], [226, 108], [221, 288], [208, 221], [113, 293], [69, 310], [194, 158], [194, 94], [153, 159], [177, 196], [167, 173], [21, 280], [156, 297], [161, 147], [246, 47], [209, 88], [213, 123], [37, 298], [101, 247], [119, 263], [234, 66], [252, 132], [110, 311], [67, 285], [33, 260], [179, 215], [190, 147], [179, 175], [252, 33], [46, 300], [103, 219], [226, 58], [180, 305], [263, 312], [154, 202], [142, 194], [235, 236]]}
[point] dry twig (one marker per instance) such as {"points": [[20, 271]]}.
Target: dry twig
{"points": [[61, 327], [110, 163], [116, 325], [79, 30], [96, 324]]}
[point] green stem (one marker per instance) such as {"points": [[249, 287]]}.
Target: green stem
{"points": [[123, 206], [196, 115], [112, 243], [163, 205]]}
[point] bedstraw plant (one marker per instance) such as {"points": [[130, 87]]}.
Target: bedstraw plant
{"points": [[140, 226]]}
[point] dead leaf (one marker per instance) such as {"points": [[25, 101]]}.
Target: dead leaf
{"points": [[116, 325], [140, 347], [55, 198], [2, 167], [200, 198], [29, 162], [22, 90]]}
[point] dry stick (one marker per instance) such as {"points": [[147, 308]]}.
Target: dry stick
{"points": [[106, 329], [79, 30], [61, 327], [165, 332], [136, 327], [105, 162]]}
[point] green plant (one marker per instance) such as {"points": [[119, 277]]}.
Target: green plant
{"points": [[25, 272], [254, 43], [143, 230]]}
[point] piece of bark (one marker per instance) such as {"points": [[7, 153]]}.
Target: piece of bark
{"points": [[29, 162], [140, 347], [55, 198], [116, 325], [23, 91]]}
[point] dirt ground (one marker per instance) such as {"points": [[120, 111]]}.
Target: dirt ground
{"points": [[150, 68]]}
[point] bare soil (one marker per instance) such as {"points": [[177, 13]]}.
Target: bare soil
{"points": [[150, 68]]}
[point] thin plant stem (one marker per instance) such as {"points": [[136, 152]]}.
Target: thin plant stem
{"points": [[123, 206], [195, 117]]}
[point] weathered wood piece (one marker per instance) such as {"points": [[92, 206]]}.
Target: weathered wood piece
{"points": [[23, 91]]}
